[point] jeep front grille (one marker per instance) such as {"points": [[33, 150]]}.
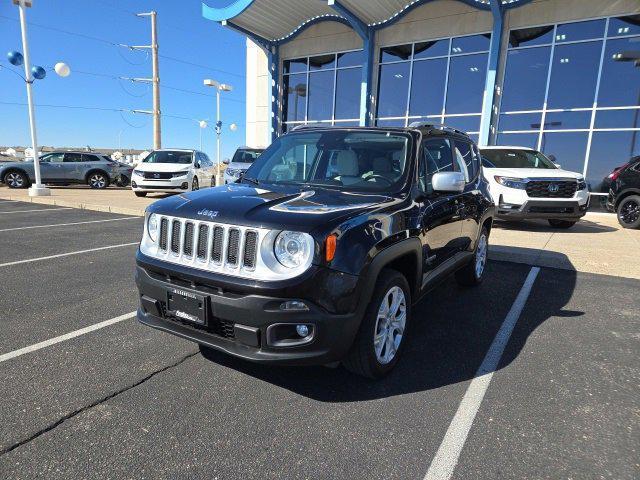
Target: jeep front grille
{"points": [[216, 246], [547, 188]]}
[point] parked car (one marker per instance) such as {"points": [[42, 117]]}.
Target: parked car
{"points": [[241, 161], [172, 171], [123, 177], [319, 252], [526, 184], [624, 194], [62, 168]]}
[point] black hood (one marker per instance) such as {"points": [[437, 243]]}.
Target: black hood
{"points": [[269, 206]]}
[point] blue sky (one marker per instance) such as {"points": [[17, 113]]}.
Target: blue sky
{"points": [[183, 34]]}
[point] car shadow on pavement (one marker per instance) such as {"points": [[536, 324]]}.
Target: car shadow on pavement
{"points": [[583, 226], [453, 327]]}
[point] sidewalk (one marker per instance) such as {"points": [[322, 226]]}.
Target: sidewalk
{"points": [[597, 244]]}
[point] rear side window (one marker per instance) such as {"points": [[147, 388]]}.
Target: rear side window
{"points": [[436, 157], [72, 157], [90, 158]]}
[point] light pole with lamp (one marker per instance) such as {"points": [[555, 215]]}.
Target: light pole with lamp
{"points": [[202, 124], [30, 75], [220, 87]]}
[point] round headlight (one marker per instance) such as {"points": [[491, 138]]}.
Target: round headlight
{"points": [[292, 249], [152, 227]]}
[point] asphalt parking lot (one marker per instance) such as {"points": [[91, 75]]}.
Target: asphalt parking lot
{"points": [[534, 374]]}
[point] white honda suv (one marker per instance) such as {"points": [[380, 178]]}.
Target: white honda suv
{"points": [[525, 184], [172, 171]]}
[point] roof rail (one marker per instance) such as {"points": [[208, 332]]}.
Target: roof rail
{"points": [[437, 126], [311, 125]]}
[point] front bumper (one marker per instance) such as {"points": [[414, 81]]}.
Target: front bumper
{"points": [[139, 184], [238, 318], [546, 209]]}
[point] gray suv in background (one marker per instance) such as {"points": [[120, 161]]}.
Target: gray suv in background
{"points": [[62, 168]]}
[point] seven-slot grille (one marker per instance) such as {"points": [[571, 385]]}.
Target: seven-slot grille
{"points": [[220, 245], [547, 188]]}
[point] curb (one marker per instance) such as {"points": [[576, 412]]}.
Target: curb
{"points": [[83, 206]]}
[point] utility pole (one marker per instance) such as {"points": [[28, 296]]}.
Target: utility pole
{"points": [[155, 80]]}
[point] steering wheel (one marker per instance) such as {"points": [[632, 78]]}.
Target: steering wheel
{"points": [[373, 176]]}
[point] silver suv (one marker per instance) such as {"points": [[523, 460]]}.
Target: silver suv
{"points": [[62, 168]]}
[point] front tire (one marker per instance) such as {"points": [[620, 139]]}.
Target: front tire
{"points": [[15, 179], [98, 180], [629, 212], [382, 332], [472, 273], [555, 223], [140, 194], [194, 184]]}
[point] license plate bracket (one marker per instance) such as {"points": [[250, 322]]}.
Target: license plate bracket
{"points": [[186, 305]]}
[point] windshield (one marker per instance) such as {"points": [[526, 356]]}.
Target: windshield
{"points": [[245, 156], [350, 160], [514, 158], [169, 156]]}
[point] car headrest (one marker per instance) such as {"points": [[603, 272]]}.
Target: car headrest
{"points": [[382, 165], [347, 163]]}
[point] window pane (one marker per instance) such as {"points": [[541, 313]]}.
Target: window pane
{"points": [[348, 123], [470, 44], [295, 65], [580, 31], [569, 149], [518, 139], [610, 150], [72, 157], [466, 83], [464, 159], [390, 122], [436, 48], [395, 53], [350, 59], [531, 36], [525, 79], [322, 62], [466, 124], [427, 87], [563, 120], [392, 90], [520, 121], [320, 96], [629, 25], [348, 93], [618, 118], [620, 81], [574, 74], [295, 90], [437, 157]]}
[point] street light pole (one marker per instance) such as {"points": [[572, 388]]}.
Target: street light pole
{"points": [[220, 87], [38, 189]]}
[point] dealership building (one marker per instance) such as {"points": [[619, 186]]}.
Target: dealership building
{"points": [[562, 76]]}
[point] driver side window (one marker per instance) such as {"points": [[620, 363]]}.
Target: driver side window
{"points": [[436, 157], [54, 157]]}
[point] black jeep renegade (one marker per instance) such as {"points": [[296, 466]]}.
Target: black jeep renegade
{"points": [[319, 251]]}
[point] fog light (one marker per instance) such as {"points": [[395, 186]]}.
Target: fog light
{"points": [[302, 330], [134, 184], [293, 305], [184, 185]]}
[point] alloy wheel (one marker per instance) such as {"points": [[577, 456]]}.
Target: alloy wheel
{"points": [[630, 212], [97, 181], [481, 255], [390, 325], [14, 180]]}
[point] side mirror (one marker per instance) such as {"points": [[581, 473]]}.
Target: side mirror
{"points": [[226, 161], [452, 182], [557, 165], [196, 164]]}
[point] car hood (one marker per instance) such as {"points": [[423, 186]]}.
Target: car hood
{"points": [[531, 173], [269, 206], [162, 167]]}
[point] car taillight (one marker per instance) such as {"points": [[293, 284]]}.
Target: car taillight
{"points": [[617, 171]]}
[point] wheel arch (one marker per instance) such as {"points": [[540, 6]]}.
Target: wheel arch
{"points": [[15, 169], [96, 170], [626, 193]]}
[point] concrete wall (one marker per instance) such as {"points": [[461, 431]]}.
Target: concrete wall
{"points": [[258, 113]]}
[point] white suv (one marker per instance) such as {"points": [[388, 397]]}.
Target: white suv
{"points": [[241, 161], [172, 171], [525, 184]]}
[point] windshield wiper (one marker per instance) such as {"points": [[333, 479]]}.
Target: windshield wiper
{"points": [[250, 180]]}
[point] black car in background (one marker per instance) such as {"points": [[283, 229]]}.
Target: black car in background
{"points": [[319, 252], [624, 193]]}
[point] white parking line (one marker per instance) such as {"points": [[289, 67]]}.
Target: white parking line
{"points": [[446, 458], [29, 260], [68, 224], [36, 210], [66, 336]]}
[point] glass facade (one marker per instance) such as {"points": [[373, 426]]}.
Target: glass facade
{"points": [[324, 88], [441, 81], [573, 90]]}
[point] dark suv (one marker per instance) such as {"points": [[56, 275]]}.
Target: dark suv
{"points": [[318, 253], [624, 193]]}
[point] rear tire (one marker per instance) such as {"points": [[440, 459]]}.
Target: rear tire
{"points": [[473, 272], [16, 179], [555, 223], [140, 194], [629, 212], [383, 330], [98, 180]]}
